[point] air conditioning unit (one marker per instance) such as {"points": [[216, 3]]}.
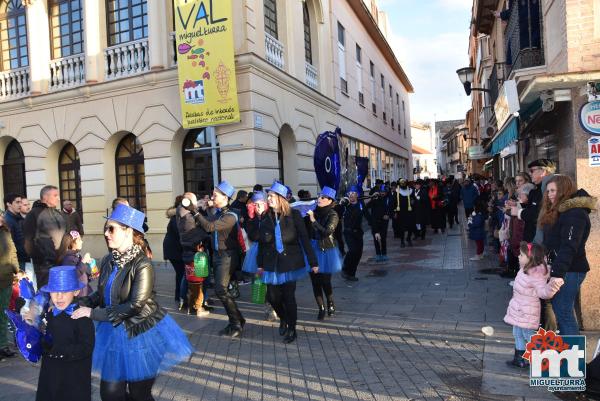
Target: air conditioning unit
{"points": [[488, 132]]}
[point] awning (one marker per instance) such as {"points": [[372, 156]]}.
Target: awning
{"points": [[502, 139]]}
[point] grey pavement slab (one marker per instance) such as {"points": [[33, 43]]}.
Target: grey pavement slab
{"points": [[409, 329]]}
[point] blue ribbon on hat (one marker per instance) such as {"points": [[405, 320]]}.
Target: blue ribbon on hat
{"points": [[68, 310], [278, 240]]}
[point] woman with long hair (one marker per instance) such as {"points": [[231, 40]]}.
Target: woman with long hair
{"points": [[564, 218], [283, 251], [323, 223], [135, 338], [9, 266]]}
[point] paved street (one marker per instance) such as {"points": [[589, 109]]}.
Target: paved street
{"points": [[408, 330]]}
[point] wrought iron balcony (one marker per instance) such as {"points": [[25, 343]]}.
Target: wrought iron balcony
{"points": [[523, 35]]}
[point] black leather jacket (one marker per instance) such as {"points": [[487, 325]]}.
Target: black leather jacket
{"points": [[131, 297], [323, 228]]}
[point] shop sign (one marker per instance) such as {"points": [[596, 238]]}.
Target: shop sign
{"points": [[205, 62], [589, 117], [594, 149], [477, 152], [507, 103]]}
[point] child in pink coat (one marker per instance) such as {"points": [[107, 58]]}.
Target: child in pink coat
{"points": [[524, 309]]}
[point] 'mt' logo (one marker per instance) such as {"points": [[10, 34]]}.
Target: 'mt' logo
{"points": [[554, 356]]}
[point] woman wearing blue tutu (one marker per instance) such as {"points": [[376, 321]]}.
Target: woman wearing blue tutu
{"points": [[281, 260], [323, 222], [135, 338]]}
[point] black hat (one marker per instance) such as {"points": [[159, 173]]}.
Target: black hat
{"points": [[541, 163], [420, 181]]}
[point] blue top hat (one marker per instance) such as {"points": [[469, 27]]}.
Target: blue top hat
{"points": [[328, 192], [226, 188], [353, 188], [279, 189], [258, 196], [128, 216], [289, 191], [63, 279]]}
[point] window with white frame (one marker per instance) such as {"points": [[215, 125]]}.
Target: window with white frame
{"points": [[359, 83], [270, 11], [373, 91], [342, 58], [383, 98]]}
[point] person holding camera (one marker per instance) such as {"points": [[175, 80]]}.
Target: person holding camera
{"points": [[226, 251]]}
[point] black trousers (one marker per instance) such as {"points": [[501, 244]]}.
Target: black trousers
{"points": [[381, 246], [225, 264], [354, 242], [396, 225], [179, 268], [321, 284], [452, 214], [468, 211], [117, 391], [283, 300]]}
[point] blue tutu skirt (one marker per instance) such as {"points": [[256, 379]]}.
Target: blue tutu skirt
{"points": [[250, 265], [330, 260], [274, 278], [120, 358]]}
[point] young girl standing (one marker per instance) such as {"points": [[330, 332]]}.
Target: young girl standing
{"points": [[524, 309], [69, 254], [477, 229]]}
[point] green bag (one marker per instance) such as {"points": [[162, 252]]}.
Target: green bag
{"points": [[259, 291], [201, 264]]}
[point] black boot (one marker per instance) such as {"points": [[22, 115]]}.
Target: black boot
{"points": [[402, 244], [521, 362], [282, 328], [290, 336], [321, 315], [513, 362], [330, 307], [410, 242]]}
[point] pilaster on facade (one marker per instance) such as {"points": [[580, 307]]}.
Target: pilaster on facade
{"points": [[39, 50]]}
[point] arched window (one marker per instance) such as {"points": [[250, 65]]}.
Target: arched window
{"points": [[131, 178], [66, 30], [13, 170], [280, 160], [13, 35], [127, 21], [198, 153], [307, 38], [270, 10], [70, 176]]}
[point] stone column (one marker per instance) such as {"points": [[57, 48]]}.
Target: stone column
{"points": [[38, 36], [95, 39], [158, 36]]}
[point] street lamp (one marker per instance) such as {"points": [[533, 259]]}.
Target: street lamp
{"points": [[466, 75], [464, 134]]}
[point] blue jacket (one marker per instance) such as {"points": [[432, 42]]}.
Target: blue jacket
{"points": [[469, 196], [477, 227], [15, 224]]}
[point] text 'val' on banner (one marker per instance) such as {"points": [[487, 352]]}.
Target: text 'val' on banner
{"points": [[205, 62]]}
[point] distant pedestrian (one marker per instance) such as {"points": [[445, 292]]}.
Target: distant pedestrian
{"points": [[436, 199], [353, 234], [14, 221], [172, 250], [524, 309], [378, 212], [25, 207], [72, 217], [422, 209], [469, 194], [476, 226], [403, 203], [9, 266]]}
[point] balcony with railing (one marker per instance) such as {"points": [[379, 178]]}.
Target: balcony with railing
{"points": [[312, 76], [67, 72], [274, 51], [14, 83], [523, 35], [127, 59]]}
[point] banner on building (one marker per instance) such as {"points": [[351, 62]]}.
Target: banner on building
{"points": [[205, 62], [594, 150]]}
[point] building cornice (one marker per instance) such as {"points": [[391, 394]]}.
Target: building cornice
{"points": [[365, 17]]}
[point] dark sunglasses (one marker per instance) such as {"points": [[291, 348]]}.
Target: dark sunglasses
{"points": [[111, 229]]}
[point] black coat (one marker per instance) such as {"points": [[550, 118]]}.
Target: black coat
{"points": [[376, 210], [324, 227], [294, 237], [131, 296], [353, 216], [565, 240], [172, 249], [66, 372], [422, 206], [43, 231], [15, 224]]}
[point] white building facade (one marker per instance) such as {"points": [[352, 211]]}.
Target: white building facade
{"points": [[89, 102]]}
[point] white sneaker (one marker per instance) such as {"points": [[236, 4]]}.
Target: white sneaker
{"points": [[202, 312], [476, 257]]}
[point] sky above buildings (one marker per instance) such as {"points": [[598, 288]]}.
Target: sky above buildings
{"points": [[430, 39]]}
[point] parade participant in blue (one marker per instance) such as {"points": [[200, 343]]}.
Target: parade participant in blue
{"points": [[283, 251], [66, 372], [256, 207], [323, 223], [226, 252], [378, 212], [135, 338], [353, 233]]}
